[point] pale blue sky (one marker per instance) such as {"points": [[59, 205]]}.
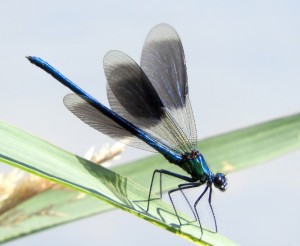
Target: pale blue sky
{"points": [[243, 67]]}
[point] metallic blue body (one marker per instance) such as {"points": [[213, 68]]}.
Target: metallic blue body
{"points": [[168, 154], [196, 166]]}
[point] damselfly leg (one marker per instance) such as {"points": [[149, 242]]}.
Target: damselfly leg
{"points": [[181, 188], [161, 172]]}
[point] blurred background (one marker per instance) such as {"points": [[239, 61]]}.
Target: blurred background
{"points": [[243, 67]]}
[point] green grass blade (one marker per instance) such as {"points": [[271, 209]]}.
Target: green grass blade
{"points": [[231, 151], [36, 156], [228, 152]]}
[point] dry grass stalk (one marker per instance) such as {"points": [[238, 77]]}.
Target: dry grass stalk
{"points": [[18, 186]]}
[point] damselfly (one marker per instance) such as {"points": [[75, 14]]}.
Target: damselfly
{"points": [[150, 109]]}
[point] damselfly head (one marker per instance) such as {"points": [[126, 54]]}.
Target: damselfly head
{"points": [[220, 181]]}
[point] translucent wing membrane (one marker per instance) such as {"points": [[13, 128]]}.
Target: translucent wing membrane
{"points": [[97, 120], [133, 96], [163, 62], [130, 92], [154, 99]]}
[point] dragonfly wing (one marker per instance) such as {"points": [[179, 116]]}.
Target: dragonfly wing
{"points": [[130, 92], [163, 62], [85, 111], [133, 96]]}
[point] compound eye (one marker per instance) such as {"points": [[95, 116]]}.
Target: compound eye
{"points": [[220, 181]]}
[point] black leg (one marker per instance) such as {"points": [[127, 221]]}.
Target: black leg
{"points": [[196, 203], [188, 186], [209, 201], [181, 188], [182, 177]]}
